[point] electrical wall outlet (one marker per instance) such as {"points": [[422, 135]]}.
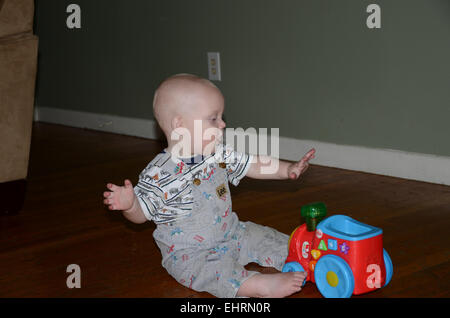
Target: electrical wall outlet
{"points": [[214, 73]]}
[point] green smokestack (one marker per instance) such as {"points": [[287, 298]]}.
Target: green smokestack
{"points": [[313, 213]]}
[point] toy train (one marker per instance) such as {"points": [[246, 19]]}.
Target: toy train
{"points": [[342, 256]]}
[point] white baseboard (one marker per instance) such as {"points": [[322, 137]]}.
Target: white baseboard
{"points": [[394, 163], [401, 164], [145, 128]]}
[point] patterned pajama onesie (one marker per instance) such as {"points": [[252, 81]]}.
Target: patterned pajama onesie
{"points": [[203, 244]]}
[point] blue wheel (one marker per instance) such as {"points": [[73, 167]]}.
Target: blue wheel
{"points": [[293, 267], [389, 267], [334, 277]]}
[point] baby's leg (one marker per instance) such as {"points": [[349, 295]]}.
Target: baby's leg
{"points": [[263, 245], [267, 247], [272, 285], [215, 271]]}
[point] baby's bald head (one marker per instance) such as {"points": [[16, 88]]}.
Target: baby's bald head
{"points": [[181, 95]]}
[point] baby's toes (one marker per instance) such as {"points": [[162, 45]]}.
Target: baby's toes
{"points": [[296, 287], [300, 277]]}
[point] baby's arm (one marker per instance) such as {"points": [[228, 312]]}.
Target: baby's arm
{"points": [[124, 198], [286, 170]]}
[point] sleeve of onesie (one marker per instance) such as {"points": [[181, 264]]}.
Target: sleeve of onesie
{"points": [[237, 163], [154, 200]]}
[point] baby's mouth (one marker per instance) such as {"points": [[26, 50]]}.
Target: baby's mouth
{"points": [[219, 136]]}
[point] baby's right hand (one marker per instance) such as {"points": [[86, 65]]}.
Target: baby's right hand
{"points": [[119, 198]]}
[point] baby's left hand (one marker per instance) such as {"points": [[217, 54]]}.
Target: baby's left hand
{"points": [[297, 168]]}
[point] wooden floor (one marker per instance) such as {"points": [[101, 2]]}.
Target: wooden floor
{"points": [[64, 221]]}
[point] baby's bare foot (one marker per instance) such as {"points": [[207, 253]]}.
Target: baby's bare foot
{"points": [[272, 285]]}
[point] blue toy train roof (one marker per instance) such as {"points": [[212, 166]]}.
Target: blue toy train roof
{"points": [[346, 228]]}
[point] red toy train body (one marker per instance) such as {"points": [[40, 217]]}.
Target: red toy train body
{"points": [[341, 256]]}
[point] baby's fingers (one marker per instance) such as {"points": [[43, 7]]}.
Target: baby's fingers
{"points": [[310, 155], [109, 203], [127, 183], [108, 194], [112, 186]]}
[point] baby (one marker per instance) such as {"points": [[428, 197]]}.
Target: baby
{"points": [[184, 190]]}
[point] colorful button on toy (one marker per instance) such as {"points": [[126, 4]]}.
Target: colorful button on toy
{"points": [[315, 254], [344, 248], [197, 181], [319, 233], [322, 246], [332, 244]]}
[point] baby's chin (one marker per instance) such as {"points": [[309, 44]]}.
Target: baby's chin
{"points": [[209, 147]]}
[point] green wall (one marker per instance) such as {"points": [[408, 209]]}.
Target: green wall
{"points": [[311, 67]]}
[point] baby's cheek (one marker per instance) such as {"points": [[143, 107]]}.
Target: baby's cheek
{"points": [[209, 145], [211, 134], [203, 143]]}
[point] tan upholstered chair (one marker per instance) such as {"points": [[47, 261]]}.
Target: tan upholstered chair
{"points": [[18, 60]]}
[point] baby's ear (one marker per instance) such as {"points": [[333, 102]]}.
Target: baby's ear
{"points": [[177, 122]]}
